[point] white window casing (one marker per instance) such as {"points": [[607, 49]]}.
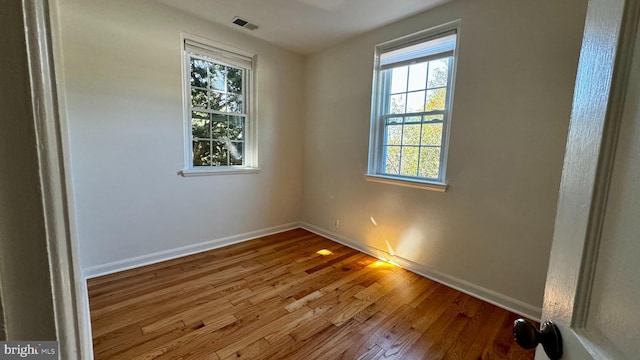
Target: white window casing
{"points": [[241, 150], [411, 108]]}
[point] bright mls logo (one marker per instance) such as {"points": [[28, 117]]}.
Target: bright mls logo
{"points": [[34, 350]]}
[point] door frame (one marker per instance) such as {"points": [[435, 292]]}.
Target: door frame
{"points": [[601, 83], [71, 311]]}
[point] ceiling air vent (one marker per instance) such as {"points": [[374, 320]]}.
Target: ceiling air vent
{"points": [[244, 23]]}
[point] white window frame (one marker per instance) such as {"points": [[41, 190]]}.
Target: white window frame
{"points": [[376, 140], [225, 55]]}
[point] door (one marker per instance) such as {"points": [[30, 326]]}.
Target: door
{"points": [[593, 284]]}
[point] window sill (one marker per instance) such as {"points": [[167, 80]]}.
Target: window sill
{"points": [[407, 182], [219, 171]]}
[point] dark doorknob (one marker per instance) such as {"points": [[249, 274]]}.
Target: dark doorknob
{"points": [[527, 336]]}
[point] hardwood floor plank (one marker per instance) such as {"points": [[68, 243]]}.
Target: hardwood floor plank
{"points": [[375, 352], [280, 297], [489, 332]]}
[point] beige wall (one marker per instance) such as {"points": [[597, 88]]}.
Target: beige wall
{"points": [[492, 229], [124, 100], [24, 264]]}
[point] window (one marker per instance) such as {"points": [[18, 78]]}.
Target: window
{"points": [[411, 108], [218, 115]]}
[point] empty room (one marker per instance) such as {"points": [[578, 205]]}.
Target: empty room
{"points": [[308, 179]]}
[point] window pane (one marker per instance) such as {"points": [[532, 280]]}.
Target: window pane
{"points": [[236, 149], [219, 154], [436, 99], [417, 76], [399, 79], [394, 135], [411, 135], [415, 102], [392, 160], [198, 98], [200, 125], [217, 75], [394, 120], [201, 151], [218, 101], [219, 126], [438, 73], [432, 134], [413, 119], [397, 104], [236, 128], [199, 73], [234, 80], [429, 162], [234, 103], [409, 166]]}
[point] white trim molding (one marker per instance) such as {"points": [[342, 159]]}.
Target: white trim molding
{"points": [[412, 183], [138, 261], [490, 296], [223, 170], [70, 313]]}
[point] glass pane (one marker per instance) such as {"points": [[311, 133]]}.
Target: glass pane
{"points": [[234, 80], [200, 125], [436, 99], [415, 102], [429, 162], [236, 151], [409, 166], [199, 73], [392, 160], [236, 128], [438, 73], [218, 101], [217, 75], [201, 152], [219, 126], [219, 153], [394, 120], [234, 103], [413, 119], [417, 76], [394, 135], [399, 79], [432, 134], [198, 98], [411, 135], [397, 104]]}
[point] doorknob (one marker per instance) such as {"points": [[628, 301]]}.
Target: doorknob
{"points": [[527, 336]]}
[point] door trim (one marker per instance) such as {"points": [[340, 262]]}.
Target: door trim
{"points": [[601, 84], [70, 311]]}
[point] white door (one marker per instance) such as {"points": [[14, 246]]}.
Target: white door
{"points": [[593, 284]]}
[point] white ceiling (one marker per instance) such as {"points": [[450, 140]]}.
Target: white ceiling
{"points": [[305, 26]]}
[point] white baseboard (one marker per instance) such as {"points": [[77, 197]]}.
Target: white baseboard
{"points": [[490, 296], [126, 264]]}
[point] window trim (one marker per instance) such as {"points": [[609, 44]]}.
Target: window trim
{"points": [[376, 134], [227, 54]]}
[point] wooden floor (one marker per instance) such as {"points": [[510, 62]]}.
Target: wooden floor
{"points": [[280, 297]]}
